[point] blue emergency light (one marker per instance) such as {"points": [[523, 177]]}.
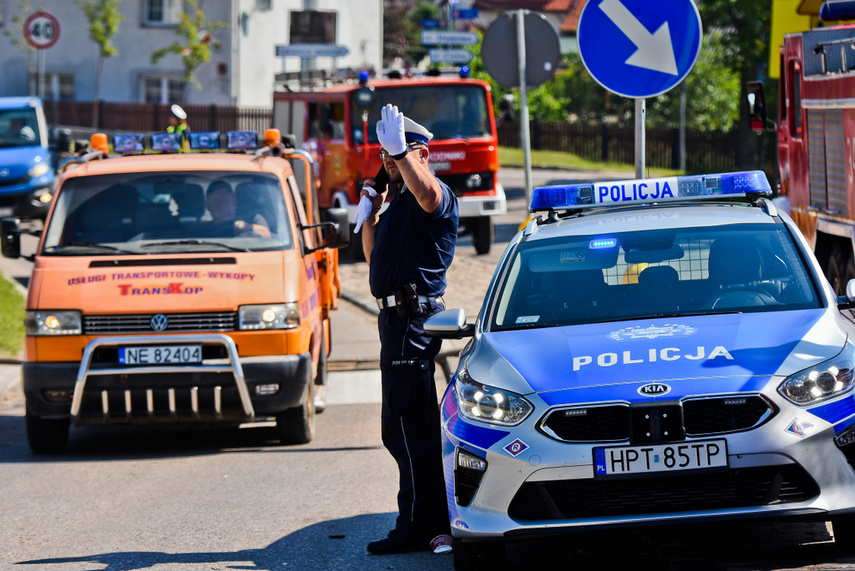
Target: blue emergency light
{"points": [[650, 191], [166, 142], [242, 140], [205, 140], [836, 10], [129, 143]]}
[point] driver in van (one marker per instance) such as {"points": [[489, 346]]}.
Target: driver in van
{"points": [[222, 205]]}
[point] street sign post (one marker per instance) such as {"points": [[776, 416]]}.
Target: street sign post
{"points": [[639, 49], [311, 50]]}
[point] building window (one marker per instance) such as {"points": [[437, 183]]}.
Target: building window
{"points": [[58, 86], [162, 12], [161, 89]]}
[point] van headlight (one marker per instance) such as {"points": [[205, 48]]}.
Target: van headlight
{"points": [[489, 404], [38, 170], [824, 381], [41, 323], [269, 316]]}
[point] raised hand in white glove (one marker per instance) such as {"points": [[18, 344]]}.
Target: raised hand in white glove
{"points": [[363, 209], [390, 130]]}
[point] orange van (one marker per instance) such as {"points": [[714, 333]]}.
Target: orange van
{"points": [[180, 287]]}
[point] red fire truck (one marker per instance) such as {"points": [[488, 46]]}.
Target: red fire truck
{"points": [[334, 120], [816, 137]]}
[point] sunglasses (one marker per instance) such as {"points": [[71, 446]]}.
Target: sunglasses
{"points": [[384, 154]]}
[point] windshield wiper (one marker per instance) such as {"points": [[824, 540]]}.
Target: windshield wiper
{"points": [[59, 247], [194, 243]]}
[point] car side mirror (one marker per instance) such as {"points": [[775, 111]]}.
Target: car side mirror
{"points": [[10, 238], [449, 324], [756, 106]]}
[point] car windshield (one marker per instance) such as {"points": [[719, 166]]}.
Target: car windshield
{"points": [[447, 111], [19, 128], [655, 273], [151, 213]]}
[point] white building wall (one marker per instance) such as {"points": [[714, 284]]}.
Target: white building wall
{"points": [[241, 71]]}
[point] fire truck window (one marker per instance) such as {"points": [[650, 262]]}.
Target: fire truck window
{"points": [[796, 103], [313, 120]]}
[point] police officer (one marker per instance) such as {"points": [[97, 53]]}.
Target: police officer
{"points": [[408, 248], [178, 124]]}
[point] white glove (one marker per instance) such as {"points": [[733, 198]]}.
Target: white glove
{"points": [[363, 209], [390, 130]]}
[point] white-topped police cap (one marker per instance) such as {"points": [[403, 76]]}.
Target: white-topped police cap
{"points": [[179, 112], [415, 133]]}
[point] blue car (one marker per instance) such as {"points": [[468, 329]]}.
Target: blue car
{"points": [[649, 351], [27, 177]]}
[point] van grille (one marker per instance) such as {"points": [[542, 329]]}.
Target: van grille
{"points": [[183, 322]]}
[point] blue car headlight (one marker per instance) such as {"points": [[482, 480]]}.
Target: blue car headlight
{"points": [[489, 404], [821, 382]]}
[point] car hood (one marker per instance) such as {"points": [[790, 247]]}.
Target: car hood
{"points": [[737, 352], [18, 160]]}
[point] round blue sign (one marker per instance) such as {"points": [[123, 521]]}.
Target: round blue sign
{"points": [[639, 48]]}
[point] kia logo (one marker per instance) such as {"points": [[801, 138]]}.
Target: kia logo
{"points": [[654, 389], [159, 322]]}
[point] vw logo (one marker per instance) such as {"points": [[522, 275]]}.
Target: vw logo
{"points": [[159, 322], [4, 173], [654, 389]]}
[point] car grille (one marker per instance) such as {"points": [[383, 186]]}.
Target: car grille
{"points": [[744, 487], [176, 322], [701, 417], [14, 181]]}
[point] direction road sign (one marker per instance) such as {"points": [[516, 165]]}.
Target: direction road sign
{"points": [[450, 56], [638, 48], [448, 38], [311, 50], [41, 30]]}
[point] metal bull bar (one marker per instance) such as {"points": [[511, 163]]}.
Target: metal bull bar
{"points": [[234, 367]]}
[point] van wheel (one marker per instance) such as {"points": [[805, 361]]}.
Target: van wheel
{"points": [[47, 435], [482, 234], [321, 379], [297, 425], [479, 555], [840, 269]]}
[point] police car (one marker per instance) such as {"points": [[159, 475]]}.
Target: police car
{"points": [[649, 351]]}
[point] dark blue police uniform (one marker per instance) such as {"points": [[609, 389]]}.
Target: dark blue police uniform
{"points": [[412, 246]]}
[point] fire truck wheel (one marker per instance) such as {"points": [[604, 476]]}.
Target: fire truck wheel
{"points": [[482, 234], [47, 435], [840, 269], [297, 425]]}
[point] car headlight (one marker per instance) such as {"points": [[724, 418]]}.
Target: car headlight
{"points": [[38, 170], [489, 404], [269, 316], [826, 380], [52, 323]]}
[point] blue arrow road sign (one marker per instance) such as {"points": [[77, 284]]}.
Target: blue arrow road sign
{"points": [[311, 50], [639, 48]]}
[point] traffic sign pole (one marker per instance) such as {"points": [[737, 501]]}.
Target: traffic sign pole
{"points": [[525, 134], [640, 137]]}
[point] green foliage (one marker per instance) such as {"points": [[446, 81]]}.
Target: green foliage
{"points": [[104, 19], [16, 32], [11, 319], [402, 24], [194, 46]]}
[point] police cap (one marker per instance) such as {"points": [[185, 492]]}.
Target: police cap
{"points": [[415, 133]]}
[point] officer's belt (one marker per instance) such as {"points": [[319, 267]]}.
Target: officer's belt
{"points": [[389, 301]]}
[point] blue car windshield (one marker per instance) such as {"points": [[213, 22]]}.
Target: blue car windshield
{"points": [[168, 212], [654, 273], [19, 128]]}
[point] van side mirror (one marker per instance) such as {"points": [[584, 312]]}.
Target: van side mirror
{"points": [[756, 106], [10, 238], [335, 235]]}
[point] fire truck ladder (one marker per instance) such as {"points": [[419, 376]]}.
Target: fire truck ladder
{"points": [[820, 50]]}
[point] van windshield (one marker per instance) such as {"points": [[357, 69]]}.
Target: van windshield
{"points": [[170, 212], [19, 128], [447, 111]]}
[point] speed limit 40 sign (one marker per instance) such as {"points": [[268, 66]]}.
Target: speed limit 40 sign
{"points": [[41, 30]]}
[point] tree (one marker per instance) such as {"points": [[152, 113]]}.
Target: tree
{"points": [[402, 24], [104, 19], [17, 37], [194, 48]]}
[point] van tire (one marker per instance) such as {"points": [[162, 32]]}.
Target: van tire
{"points": [[47, 435], [321, 379], [483, 233], [297, 425]]}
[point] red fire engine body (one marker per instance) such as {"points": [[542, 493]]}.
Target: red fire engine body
{"points": [[816, 143], [335, 122]]}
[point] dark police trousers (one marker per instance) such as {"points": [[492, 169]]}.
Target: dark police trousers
{"points": [[410, 420]]}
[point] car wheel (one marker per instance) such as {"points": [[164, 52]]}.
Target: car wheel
{"points": [[482, 234], [321, 379], [472, 556], [47, 435], [840, 269], [297, 425]]}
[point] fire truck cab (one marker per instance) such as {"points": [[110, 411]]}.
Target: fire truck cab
{"points": [[334, 120]]}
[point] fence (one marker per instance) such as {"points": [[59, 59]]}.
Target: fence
{"points": [[705, 151]]}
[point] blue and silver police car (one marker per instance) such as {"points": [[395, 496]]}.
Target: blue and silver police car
{"points": [[649, 351]]}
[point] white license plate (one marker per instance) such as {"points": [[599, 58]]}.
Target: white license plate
{"points": [[160, 355], [701, 455], [6, 211]]}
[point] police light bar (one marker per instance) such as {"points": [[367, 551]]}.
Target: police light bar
{"points": [[242, 140], [650, 191], [129, 143], [205, 140], [166, 142], [837, 10]]}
